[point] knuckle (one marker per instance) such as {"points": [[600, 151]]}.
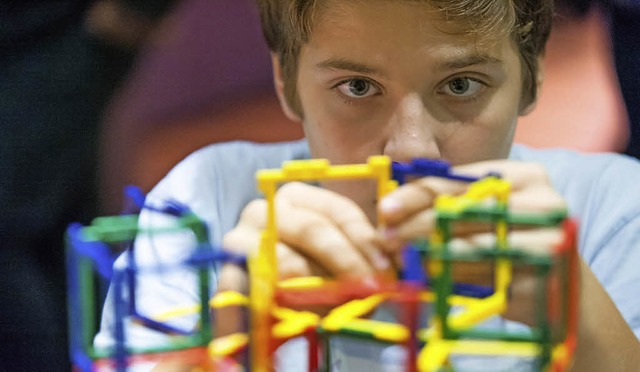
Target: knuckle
{"points": [[536, 170], [291, 265], [315, 230], [308, 229], [293, 269], [232, 278], [291, 188], [349, 215], [231, 239], [350, 265], [554, 201], [241, 239], [253, 209], [427, 189]]}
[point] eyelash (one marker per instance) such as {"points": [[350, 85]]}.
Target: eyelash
{"points": [[461, 99], [464, 99], [354, 101]]}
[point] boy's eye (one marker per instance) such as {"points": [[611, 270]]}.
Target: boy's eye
{"points": [[462, 87], [357, 88]]}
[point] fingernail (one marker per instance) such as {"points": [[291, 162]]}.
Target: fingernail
{"points": [[389, 233], [389, 206], [380, 261]]}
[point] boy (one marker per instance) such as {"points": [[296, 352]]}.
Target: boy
{"points": [[432, 78]]}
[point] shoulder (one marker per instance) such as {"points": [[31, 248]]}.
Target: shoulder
{"points": [[563, 164], [603, 178], [601, 190], [218, 180], [234, 159], [242, 154]]}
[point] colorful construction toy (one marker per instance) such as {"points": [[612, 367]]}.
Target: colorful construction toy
{"points": [[437, 317]]}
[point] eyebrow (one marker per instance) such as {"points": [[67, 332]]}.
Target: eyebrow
{"points": [[466, 61], [455, 64], [344, 64]]}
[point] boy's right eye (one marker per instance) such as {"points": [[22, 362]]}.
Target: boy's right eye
{"points": [[357, 88], [463, 87]]}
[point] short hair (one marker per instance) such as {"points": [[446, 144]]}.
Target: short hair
{"points": [[287, 26]]}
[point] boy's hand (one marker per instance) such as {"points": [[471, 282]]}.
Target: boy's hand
{"points": [[323, 233], [408, 215], [408, 211], [320, 233]]}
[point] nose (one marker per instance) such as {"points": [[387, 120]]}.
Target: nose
{"points": [[411, 131]]}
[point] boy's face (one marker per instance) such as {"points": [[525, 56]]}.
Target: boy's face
{"points": [[383, 77]]}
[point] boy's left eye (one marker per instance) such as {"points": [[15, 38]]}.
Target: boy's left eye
{"points": [[462, 87], [357, 88]]}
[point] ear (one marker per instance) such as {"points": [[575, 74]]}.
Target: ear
{"points": [[539, 80], [278, 81]]}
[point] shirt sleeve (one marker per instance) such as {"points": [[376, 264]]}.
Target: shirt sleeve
{"points": [[216, 183], [602, 192], [611, 229], [162, 285]]}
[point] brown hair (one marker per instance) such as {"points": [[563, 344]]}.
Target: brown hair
{"points": [[287, 26]]}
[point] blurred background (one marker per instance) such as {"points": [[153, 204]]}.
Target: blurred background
{"points": [[60, 63], [96, 95]]}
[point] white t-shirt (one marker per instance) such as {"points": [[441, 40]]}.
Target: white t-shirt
{"points": [[602, 192]]}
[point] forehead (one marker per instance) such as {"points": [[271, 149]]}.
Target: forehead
{"points": [[383, 32], [483, 22]]}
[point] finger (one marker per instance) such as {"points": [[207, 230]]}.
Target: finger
{"points": [[536, 241], [421, 225], [229, 320], [292, 264], [318, 238], [518, 173], [522, 176], [537, 199], [344, 215], [233, 278], [246, 236], [539, 241], [418, 226], [245, 239], [173, 365], [414, 197], [530, 191], [421, 194]]}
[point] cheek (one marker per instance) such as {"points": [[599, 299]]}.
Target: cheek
{"points": [[501, 119], [362, 192], [343, 138], [326, 142], [488, 136]]}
